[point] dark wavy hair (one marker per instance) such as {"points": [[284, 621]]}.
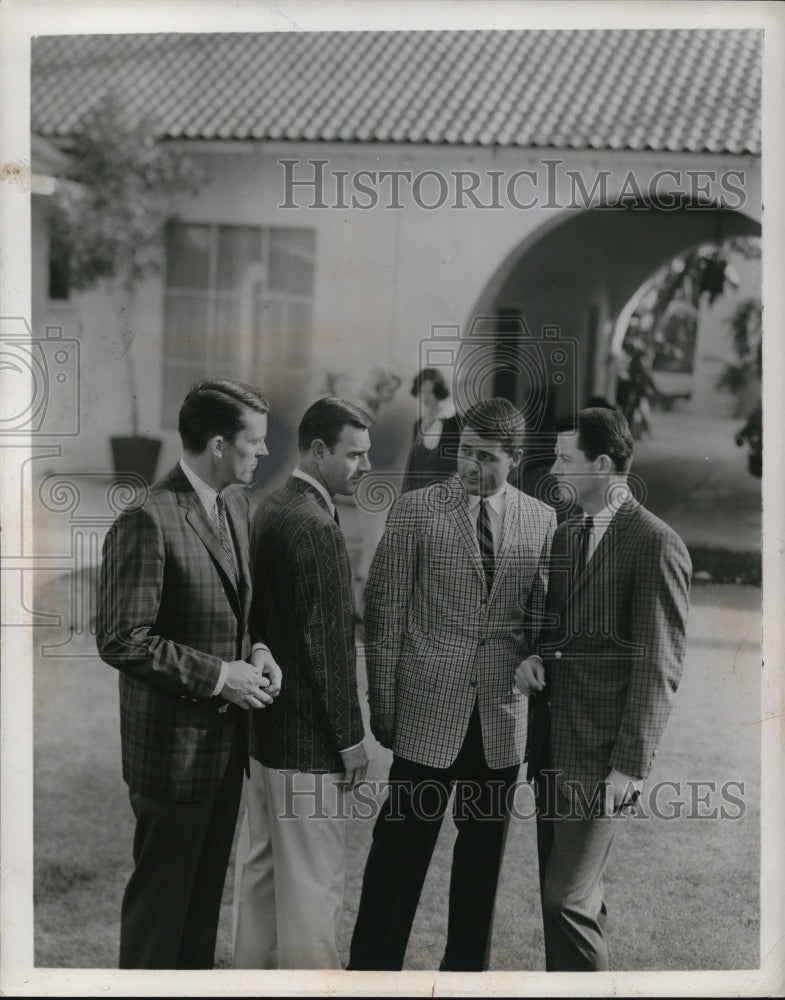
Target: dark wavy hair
{"points": [[600, 432], [216, 406], [433, 375], [326, 418], [496, 419]]}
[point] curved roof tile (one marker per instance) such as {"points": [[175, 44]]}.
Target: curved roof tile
{"points": [[679, 90]]}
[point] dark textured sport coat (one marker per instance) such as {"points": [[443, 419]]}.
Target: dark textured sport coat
{"points": [[613, 648], [169, 613], [303, 609]]}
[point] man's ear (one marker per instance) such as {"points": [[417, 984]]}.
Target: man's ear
{"points": [[216, 446], [604, 464], [516, 457], [318, 449]]}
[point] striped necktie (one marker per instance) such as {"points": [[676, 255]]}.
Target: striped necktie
{"points": [[485, 540], [223, 531]]}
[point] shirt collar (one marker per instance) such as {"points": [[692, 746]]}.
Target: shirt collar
{"points": [[495, 500], [618, 497], [299, 474], [205, 492]]}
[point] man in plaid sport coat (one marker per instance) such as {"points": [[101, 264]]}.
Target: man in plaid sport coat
{"points": [[449, 615], [174, 598], [610, 659], [306, 750]]}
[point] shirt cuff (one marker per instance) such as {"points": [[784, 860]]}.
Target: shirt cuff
{"points": [[221, 679], [260, 645], [354, 747]]}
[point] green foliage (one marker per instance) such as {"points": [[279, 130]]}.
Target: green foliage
{"points": [[106, 220]]}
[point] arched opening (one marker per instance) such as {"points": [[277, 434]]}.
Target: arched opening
{"points": [[580, 283], [573, 279]]}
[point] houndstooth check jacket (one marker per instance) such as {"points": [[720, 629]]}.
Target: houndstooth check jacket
{"points": [[436, 640], [613, 649], [169, 613], [303, 608]]}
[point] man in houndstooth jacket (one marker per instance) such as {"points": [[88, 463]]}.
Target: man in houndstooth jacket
{"points": [[174, 598], [610, 659], [453, 603]]}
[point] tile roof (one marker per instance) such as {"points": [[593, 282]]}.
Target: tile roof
{"points": [[670, 90]]}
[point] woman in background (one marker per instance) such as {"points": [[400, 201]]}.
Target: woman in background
{"points": [[434, 451]]}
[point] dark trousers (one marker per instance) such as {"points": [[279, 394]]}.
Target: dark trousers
{"points": [[169, 917], [573, 851], [403, 841]]}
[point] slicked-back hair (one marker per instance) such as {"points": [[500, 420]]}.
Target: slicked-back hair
{"points": [[496, 419], [325, 419], [216, 406], [600, 432], [435, 377]]}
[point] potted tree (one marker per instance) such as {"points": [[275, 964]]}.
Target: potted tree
{"points": [[106, 223]]}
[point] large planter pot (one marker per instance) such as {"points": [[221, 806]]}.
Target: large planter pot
{"points": [[138, 455]]}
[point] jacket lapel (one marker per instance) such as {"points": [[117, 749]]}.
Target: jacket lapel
{"points": [[609, 541], [197, 518], [459, 512], [512, 529]]}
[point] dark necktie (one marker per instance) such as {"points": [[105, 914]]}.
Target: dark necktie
{"points": [[335, 517], [223, 531], [485, 540], [582, 548]]}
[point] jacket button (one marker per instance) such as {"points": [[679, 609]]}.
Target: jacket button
{"points": [[473, 684], [557, 655]]}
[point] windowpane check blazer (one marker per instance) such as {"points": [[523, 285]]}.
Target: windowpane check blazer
{"points": [[436, 641], [170, 611]]}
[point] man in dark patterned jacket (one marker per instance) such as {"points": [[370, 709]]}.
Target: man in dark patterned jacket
{"points": [[610, 660], [307, 751], [174, 598]]}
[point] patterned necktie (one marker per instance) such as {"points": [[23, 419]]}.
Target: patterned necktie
{"points": [[582, 548], [223, 531], [485, 540]]}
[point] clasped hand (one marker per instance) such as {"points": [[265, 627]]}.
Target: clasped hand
{"points": [[253, 684]]}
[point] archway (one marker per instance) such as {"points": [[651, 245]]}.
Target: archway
{"points": [[574, 278]]}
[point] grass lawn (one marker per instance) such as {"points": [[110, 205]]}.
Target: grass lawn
{"points": [[682, 894]]}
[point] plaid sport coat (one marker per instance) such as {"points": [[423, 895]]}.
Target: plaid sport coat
{"points": [[170, 611], [436, 641], [303, 609], [613, 649]]}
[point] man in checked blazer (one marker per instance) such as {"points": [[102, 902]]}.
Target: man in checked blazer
{"points": [[306, 749], [453, 603], [174, 598], [610, 659]]}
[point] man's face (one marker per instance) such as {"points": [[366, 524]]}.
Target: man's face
{"points": [[579, 477], [483, 465], [241, 456], [342, 467]]}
